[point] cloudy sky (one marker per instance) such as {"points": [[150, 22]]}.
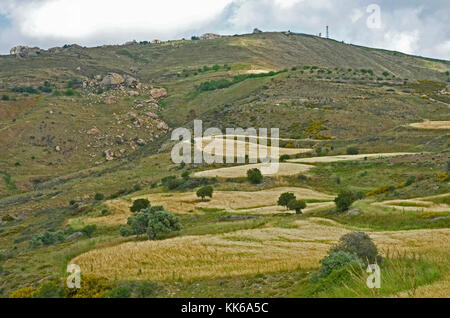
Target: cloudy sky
{"points": [[410, 26]]}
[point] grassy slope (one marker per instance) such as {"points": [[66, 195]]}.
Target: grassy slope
{"points": [[359, 111]]}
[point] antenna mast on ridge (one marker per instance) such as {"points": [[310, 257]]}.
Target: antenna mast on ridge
{"points": [[328, 33]]}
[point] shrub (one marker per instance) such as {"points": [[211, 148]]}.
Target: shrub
{"points": [[72, 202], [186, 174], [352, 151], [27, 292], [88, 230], [344, 200], [105, 212], [335, 260], [70, 92], [297, 205], [285, 198], [119, 292], [99, 196], [91, 287], [145, 289], [5, 97], [283, 158], [254, 176], [360, 244], [410, 181], [49, 289], [46, 239], [205, 192], [302, 177], [139, 205]]}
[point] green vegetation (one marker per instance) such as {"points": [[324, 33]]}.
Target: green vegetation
{"points": [[285, 199], [205, 192], [344, 200], [254, 176], [139, 204]]}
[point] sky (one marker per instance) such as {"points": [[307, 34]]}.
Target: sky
{"points": [[411, 26]]}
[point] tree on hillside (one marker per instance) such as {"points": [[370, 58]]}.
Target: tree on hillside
{"points": [[297, 205], [344, 200], [205, 192], [352, 151], [161, 223], [139, 205], [151, 221], [254, 176], [285, 198]]}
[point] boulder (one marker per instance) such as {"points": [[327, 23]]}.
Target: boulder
{"points": [[141, 142], [109, 155], [74, 236], [112, 79], [130, 81], [109, 100], [256, 31], [163, 126], [354, 212], [158, 93], [210, 36], [93, 131]]}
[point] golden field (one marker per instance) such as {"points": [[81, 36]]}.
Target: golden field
{"points": [[265, 250]]}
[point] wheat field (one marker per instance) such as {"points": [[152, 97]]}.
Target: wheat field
{"points": [[285, 169], [445, 125], [242, 252], [257, 202], [350, 157]]}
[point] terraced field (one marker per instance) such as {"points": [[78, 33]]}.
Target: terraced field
{"points": [[284, 169], [444, 125], [349, 157], [243, 252]]}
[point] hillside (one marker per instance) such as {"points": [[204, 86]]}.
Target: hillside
{"points": [[98, 120]]}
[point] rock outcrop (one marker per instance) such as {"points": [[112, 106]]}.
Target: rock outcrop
{"points": [[112, 79], [25, 51], [158, 93], [210, 36]]}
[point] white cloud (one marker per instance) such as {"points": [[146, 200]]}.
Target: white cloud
{"points": [[84, 18], [412, 26]]}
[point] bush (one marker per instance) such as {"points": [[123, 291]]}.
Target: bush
{"points": [[335, 260], [46, 239], [49, 289], [344, 200], [91, 287], [297, 205], [302, 177], [5, 97], [139, 205], [360, 244], [145, 289], [285, 198], [70, 92], [352, 151], [254, 176], [27, 292], [88, 230], [205, 192], [99, 196], [119, 292], [137, 187], [105, 212], [410, 181], [283, 158]]}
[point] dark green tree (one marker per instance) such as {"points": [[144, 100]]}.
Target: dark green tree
{"points": [[297, 205], [205, 192], [254, 176], [139, 205], [285, 198]]}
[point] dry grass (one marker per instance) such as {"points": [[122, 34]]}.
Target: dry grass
{"points": [[260, 202], [432, 125], [255, 151], [349, 157], [423, 204], [285, 169], [243, 252]]}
